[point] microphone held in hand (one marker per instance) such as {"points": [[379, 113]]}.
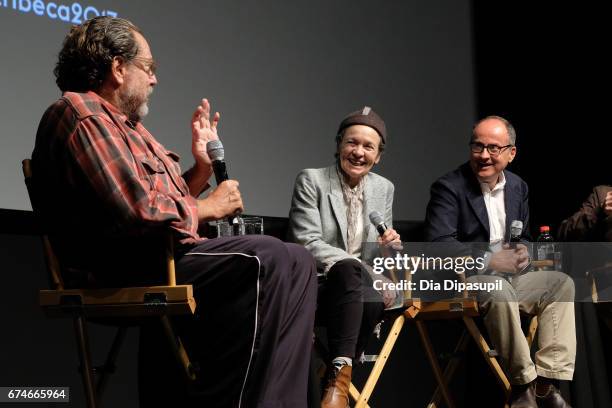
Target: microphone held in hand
{"points": [[516, 230], [215, 151], [378, 221]]}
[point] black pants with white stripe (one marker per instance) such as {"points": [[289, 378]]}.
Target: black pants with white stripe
{"points": [[252, 333]]}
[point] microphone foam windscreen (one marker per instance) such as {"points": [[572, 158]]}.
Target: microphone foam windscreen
{"points": [[516, 227], [376, 218], [215, 151]]}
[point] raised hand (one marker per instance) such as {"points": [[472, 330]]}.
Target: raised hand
{"points": [[203, 130], [608, 204]]}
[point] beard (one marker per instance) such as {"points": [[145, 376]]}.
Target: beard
{"points": [[135, 104]]}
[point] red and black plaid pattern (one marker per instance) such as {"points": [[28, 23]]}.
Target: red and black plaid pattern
{"points": [[94, 168]]}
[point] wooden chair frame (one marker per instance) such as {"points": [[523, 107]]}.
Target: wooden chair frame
{"points": [[465, 308]]}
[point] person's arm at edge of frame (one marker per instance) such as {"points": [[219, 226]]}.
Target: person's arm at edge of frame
{"points": [[582, 225]]}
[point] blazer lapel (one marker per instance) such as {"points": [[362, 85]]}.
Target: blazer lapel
{"points": [[478, 206], [512, 205], [374, 200], [336, 201]]}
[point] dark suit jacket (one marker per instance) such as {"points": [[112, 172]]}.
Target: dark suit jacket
{"points": [[590, 223], [456, 210]]}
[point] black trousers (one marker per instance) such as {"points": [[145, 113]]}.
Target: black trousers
{"points": [[349, 308], [252, 333]]}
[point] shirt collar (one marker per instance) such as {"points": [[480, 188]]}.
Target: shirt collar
{"points": [[501, 183], [113, 110], [348, 190]]}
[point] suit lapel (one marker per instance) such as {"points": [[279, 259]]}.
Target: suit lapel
{"points": [[511, 203], [336, 201], [477, 203], [374, 200]]}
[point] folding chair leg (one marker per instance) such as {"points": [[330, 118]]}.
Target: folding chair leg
{"points": [[354, 393], [533, 328], [178, 349], [450, 369], [109, 364], [486, 352], [380, 362], [431, 355], [80, 329]]}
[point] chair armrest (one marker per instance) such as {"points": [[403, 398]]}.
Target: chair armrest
{"points": [[133, 302]]}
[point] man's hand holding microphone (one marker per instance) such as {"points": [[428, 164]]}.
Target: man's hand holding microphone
{"points": [[225, 200], [514, 257]]}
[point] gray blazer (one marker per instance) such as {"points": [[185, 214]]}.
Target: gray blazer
{"points": [[317, 218]]}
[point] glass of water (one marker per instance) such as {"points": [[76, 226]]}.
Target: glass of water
{"points": [[240, 226]]}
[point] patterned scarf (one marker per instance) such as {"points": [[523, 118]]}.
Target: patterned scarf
{"points": [[353, 198]]}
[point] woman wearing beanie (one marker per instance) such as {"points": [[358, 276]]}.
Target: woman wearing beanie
{"points": [[329, 216]]}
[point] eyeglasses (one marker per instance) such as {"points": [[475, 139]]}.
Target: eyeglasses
{"points": [[493, 149], [148, 65]]}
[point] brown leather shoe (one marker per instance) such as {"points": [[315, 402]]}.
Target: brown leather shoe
{"points": [[552, 399], [523, 396], [336, 393]]}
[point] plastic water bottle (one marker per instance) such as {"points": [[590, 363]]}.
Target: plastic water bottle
{"points": [[546, 246]]}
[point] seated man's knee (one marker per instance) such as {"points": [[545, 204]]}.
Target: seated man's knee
{"points": [[273, 256], [267, 243], [299, 253], [507, 293], [563, 286]]}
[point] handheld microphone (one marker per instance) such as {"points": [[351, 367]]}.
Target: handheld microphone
{"points": [[215, 151], [378, 221], [516, 230]]}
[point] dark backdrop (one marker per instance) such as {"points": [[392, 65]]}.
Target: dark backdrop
{"points": [[282, 74], [543, 66]]}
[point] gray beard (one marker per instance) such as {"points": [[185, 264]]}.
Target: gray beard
{"points": [[134, 108], [140, 113]]}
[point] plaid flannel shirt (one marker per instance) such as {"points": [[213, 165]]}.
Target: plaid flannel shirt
{"points": [[99, 175]]}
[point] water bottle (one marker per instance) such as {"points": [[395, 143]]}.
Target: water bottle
{"points": [[546, 247]]}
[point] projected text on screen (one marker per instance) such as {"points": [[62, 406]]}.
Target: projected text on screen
{"points": [[74, 13]]}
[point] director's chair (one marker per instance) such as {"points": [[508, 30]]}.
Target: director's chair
{"points": [[464, 308], [118, 307]]}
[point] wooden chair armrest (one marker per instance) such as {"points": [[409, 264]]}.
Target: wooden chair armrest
{"points": [[133, 302], [442, 309]]}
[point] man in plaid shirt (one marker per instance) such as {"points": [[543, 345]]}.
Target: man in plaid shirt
{"points": [[109, 191]]}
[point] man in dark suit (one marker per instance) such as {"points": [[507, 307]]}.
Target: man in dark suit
{"points": [[476, 203], [593, 221]]}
